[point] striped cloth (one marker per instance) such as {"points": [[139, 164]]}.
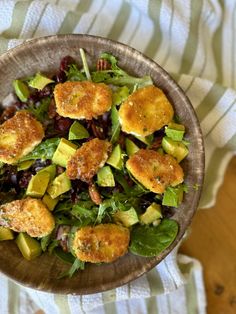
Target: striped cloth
{"points": [[195, 41]]}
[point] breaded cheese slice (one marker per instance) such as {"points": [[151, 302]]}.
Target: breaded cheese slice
{"points": [[103, 243], [155, 171], [28, 215], [18, 136], [145, 111], [88, 159], [82, 100]]}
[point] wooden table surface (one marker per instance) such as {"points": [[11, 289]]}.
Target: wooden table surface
{"points": [[212, 241]]}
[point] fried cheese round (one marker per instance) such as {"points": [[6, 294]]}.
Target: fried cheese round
{"points": [[155, 171], [145, 111], [28, 215], [18, 136], [88, 159], [82, 100], [103, 243]]}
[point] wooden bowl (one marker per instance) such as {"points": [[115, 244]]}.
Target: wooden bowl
{"points": [[44, 54]]}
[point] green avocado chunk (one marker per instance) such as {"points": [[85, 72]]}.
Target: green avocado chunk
{"points": [[77, 131], [145, 139], [127, 218], [105, 177], [61, 184], [24, 165], [152, 240], [39, 81], [38, 184], [51, 169], [29, 247], [50, 202], [6, 234], [174, 148], [175, 131], [152, 213], [116, 160], [21, 90], [63, 153], [131, 148]]}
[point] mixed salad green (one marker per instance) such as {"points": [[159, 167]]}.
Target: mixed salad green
{"points": [[124, 200]]}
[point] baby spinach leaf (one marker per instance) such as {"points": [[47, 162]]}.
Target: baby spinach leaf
{"points": [[150, 241], [44, 150]]}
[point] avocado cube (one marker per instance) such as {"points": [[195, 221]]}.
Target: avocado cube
{"points": [[39, 81], [29, 247], [38, 184], [105, 177], [77, 131], [63, 153], [24, 165], [21, 90], [131, 148], [61, 184], [175, 131], [152, 213], [127, 218], [173, 196], [174, 148], [116, 160], [6, 234], [51, 169], [50, 202]]}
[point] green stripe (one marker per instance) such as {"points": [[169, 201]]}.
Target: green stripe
{"points": [[40, 17], [108, 298], [13, 298], [210, 100], [120, 22], [154, 9], [192, 42], [155, 282], [191, 296], [151, 305], [217, 47], [221, 117], [18, 18], [212, 174], [62, 303], [72, 18], [95, 16], [170, 33]]}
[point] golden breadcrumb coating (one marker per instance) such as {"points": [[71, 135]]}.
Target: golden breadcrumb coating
{"points": [[18, 136], [145, 111], [28, 215], [82, 100], [155, 171], [88, 159], [103, 243]]}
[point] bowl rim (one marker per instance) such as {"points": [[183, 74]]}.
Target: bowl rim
{"points": [[156, 260]]}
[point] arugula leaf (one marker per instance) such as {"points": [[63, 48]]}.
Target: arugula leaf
{"points": [[45, 242], [65, 257], [76, 266], [151, 241], [85, 211], [40, 111], [74, 74], [52, 246], [44, 150], [115, 127]]}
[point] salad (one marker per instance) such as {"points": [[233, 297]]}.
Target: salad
{"points": [[90, 164]]}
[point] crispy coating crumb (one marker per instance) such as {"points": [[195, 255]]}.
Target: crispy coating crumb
{"points": [[103, 243], [82, 100], [155, 171], [88, 159], [19, 136], [28, 215], [145, 111]]}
